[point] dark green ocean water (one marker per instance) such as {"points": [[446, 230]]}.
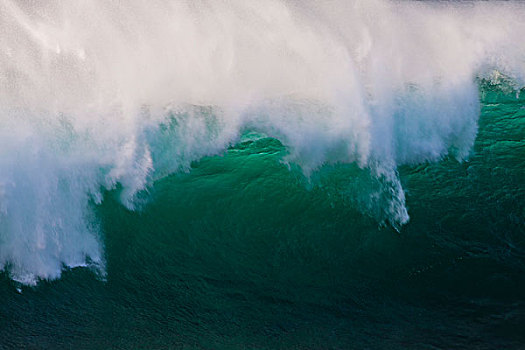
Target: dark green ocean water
{"points": [[244, 253]]}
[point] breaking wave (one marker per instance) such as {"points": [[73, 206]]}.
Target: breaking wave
{"points": [[101, 95]]}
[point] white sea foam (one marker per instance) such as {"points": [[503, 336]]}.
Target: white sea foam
{"points": [[86, 87]]}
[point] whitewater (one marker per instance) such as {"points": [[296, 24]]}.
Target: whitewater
{"points": [[97, 96]]}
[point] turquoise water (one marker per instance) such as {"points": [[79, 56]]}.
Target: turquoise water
{"points": [[244, 251]]}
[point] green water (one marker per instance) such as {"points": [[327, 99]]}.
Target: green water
{"points": [[243, 252]]}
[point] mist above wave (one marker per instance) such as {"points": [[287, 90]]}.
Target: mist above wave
{"points": [[98, 94]]}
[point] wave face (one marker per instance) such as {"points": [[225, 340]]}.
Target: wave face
{"points": [[99, 96]]}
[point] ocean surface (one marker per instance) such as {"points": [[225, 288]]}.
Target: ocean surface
{"points": [[240, 175]]}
